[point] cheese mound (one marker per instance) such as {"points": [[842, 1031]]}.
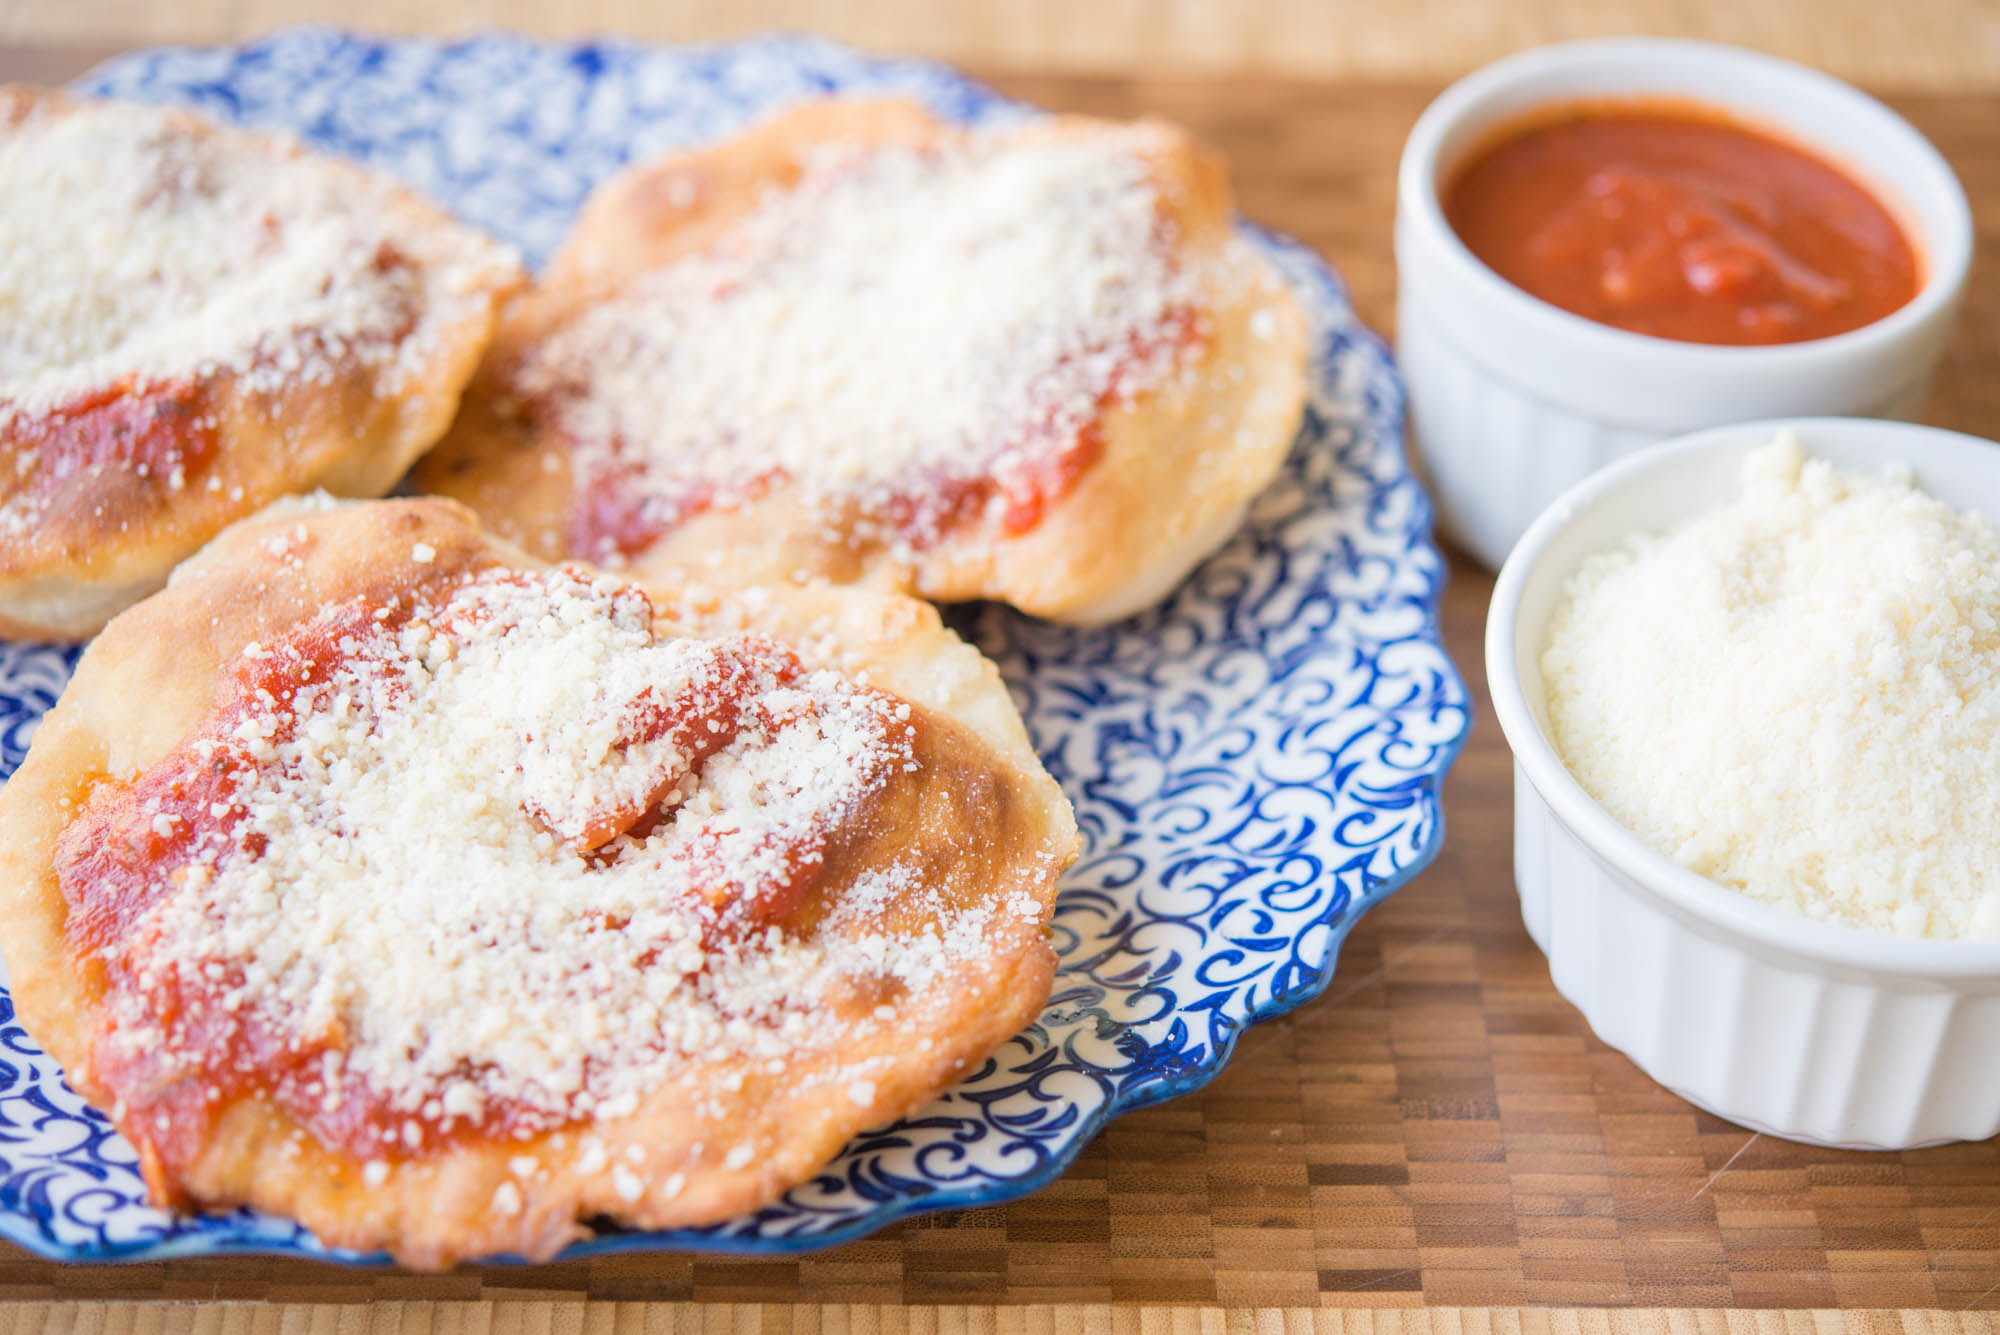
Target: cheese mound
{"points": [[1797, 695], [899, 316]]}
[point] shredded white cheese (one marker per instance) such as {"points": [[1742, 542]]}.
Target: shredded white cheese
{"points": [[1797, 694], [899, 319], [400, 872]]}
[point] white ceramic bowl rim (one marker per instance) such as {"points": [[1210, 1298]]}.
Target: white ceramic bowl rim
{"points": [[1948, 255], [1776, 928]]}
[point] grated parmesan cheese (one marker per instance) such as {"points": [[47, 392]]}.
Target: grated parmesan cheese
{"points": [[900, 317], [1797, 694], [400, 868]]}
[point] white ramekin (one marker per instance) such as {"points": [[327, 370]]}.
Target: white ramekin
{"points": [[1512, 400], [1780, 1022]]}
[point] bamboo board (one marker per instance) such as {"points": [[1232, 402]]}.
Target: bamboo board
{"points": [[1917, 43], [588, 1318]]}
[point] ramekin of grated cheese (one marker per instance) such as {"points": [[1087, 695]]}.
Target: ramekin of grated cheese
{"points": [[1751, 679]]}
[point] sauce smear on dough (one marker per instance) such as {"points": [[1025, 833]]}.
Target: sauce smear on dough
{"points": [[160, 431], [447, 869], [907, 338]]}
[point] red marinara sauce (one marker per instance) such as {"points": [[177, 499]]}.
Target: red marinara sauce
{"points": [[1667, 218]]}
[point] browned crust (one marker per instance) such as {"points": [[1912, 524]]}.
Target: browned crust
{"points": [[995, 825], [1178, 465], [103, 548]]}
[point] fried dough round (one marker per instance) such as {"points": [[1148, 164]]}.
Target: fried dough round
{"points": [[1146, 480], [201, 319], [967, 836]]}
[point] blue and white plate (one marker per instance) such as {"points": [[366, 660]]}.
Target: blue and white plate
{"points": [[1254, 764]]}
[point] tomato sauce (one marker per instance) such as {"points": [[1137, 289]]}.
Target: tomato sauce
{"points": [[1668, 219], [158, 430]]}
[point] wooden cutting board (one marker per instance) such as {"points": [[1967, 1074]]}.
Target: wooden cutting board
{"points": [[1441, 1128]]}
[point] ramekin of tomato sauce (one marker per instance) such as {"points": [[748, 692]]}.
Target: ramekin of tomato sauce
{"points": [[1602, 244]]}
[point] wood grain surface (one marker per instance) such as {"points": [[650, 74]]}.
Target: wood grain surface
{"points": [[395, 1317], [1936, 43], [1441, 1128]]}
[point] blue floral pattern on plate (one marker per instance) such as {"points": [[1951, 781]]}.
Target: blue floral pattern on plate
{"points": [[1254, 763]]}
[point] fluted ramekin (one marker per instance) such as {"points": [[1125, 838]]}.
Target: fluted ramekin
{"points": [[1512, 399], [1780, 1022]]}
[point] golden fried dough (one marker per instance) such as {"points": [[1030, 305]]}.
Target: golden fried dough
{"points": [[375, 874], [1033, 363], [198, 320]]}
